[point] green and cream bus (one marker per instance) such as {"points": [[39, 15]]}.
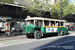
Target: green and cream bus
{"points": [[38, 26]]}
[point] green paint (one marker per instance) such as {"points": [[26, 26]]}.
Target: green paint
{"points": [[12, 41], [24, 26], [31, 28], [63, 29]]}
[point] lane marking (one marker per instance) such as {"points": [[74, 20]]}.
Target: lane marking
{"points": [[15, 44], [11, 41], [56, 44]]}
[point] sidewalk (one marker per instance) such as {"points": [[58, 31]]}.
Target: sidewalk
{"points": [[11, 38]]}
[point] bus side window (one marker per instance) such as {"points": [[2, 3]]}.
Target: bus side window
{"points": [[61, 23], [46, 23], [41, 24], [38, 23], [57, 23], [52, 23], [31, 22]]}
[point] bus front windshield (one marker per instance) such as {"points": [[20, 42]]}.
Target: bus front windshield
{"points": [[38, 23], [29, 22]]}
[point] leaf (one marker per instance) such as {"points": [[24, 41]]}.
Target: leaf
{"points": [[66, 9], [37, 7]]}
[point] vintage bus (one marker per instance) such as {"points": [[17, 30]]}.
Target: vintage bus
{"points": [[38, 26]]}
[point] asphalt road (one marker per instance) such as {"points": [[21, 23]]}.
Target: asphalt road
{"points": [[48, 43], [63, 46]]}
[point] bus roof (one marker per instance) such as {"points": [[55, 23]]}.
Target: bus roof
{"points": [[41, 18]]}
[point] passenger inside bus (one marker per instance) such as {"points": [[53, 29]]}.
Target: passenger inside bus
{"points": [[52, 23], [38, 23], [46, 23], [56, 24], [62, 24]]}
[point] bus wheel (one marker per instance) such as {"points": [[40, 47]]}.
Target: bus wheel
{"points": [[37, 34], [61, 33]]}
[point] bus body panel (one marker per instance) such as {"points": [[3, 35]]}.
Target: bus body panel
{"points": [[45, 31], [32, 29], [62, 29], [56, 30]]}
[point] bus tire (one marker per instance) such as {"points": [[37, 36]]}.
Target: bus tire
{"points": [[61, 33], [37, 34]]}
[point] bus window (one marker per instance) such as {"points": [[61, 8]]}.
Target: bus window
{"points": [[38, 23], [41, 23], [46, 23], [61, 23], [57, 23], [29, 22], [52, 23], [49, 23]]}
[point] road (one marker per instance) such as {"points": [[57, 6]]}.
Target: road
{"points": [[48, 43], [63, 46]]}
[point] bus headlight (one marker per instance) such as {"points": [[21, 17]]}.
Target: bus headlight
{"points": [[29, 32]]}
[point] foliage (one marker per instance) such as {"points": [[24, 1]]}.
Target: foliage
{"points": [[0, 4], [66, 9], [7, 1], [73, 9], [37, 7]]}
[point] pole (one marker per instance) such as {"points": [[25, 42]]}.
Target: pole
{"points": [[60, 10]]}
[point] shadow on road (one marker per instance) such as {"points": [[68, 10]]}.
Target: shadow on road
{"points": [[63, 39]]}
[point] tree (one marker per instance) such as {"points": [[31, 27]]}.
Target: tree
{"points": [[37, 7], [73, 9], [66, 9], [7, 1]]}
